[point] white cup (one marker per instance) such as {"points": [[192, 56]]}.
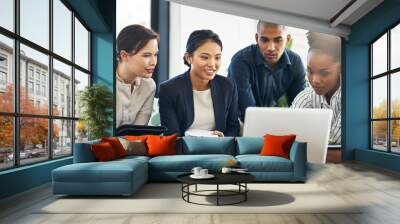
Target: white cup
{"points": [[203, 172], [226, 170], [196, 170]]}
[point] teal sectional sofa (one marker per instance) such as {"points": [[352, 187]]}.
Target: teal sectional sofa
{"points": [[125, 176]]}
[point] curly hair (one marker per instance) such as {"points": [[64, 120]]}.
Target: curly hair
{"points": [[326, 43]]}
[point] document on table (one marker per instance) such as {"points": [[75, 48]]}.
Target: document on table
{"points": [[199, 133]]}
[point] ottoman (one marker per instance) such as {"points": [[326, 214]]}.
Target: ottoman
{"points": [[119, 177]]}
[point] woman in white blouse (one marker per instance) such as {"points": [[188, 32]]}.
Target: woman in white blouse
{"points": [[137, 50], [323, 72]]}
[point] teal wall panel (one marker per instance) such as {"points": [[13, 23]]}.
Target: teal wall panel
{"points": [[24, 178], [377, 158], [89, 11], [356, 89], [356, 100], [103, 59]]}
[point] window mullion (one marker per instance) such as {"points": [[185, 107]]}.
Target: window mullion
{"points": [[73, 82], [371, 89], [16, 83], [50, 81], [389, 106]]}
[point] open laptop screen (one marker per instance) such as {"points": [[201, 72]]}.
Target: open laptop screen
{"points": [[309, 125]]}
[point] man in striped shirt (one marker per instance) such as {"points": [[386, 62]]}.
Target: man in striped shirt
{"points": [[323, 73]]}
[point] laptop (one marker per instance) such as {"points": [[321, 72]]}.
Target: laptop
{"points": [[309, 125]]}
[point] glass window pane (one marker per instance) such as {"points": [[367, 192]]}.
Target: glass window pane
{"points": [[62, 29], [395, 47], [7, 14], [81, 45], [395, 94], [81, 81], [6, 142], [35, 21], [395, 136], [81, 131], [33, 139], [6, 74], [379, 55], [62, 138], [379, 135], [34, 97], [379, 97], [62, 89]]}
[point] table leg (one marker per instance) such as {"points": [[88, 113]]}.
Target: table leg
{"points": [[245, 191], [217, 194]]}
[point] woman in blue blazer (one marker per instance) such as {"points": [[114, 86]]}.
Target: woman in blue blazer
{"points": [[199, 99]]}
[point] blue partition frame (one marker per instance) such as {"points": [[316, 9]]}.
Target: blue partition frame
{"points": [[356, 97]]}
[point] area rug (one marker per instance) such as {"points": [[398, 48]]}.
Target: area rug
{"points": [[167, 198]]}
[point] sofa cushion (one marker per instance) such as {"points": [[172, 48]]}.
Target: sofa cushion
{"points": [[208, 145], [249, 145], [185, 163], [161, 145], [136, 137], [131, 158], [257, 163], [275, 145], [134, 147], [116, 145], [112, 171], [103, 152]]}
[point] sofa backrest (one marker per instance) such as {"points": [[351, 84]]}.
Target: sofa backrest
{"points": [[83, 152], [249, 145], [207, 145]]}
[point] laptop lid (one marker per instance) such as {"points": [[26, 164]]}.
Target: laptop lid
{"points": [[309, 125]]}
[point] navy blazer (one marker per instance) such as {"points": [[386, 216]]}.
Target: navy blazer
{"points": [[177, 107]]}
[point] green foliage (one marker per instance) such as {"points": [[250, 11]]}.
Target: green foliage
{"points": [[96, 102], [282, 102]]}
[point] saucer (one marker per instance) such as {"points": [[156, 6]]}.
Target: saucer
{"points": [[208, 176]]}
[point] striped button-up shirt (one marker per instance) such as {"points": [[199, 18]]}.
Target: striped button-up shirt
{"points": [[308, 98]]}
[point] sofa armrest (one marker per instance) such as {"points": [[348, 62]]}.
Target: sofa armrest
{"points": [[83, 152], [298, 155]]}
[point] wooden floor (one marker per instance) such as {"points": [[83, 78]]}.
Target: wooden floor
{"points": [[378, 188]]}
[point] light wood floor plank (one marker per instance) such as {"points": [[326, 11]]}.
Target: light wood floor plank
{"points": [[377, 190]]}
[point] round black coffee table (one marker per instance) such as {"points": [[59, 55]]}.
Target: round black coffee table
{"points": [[238, 179]]}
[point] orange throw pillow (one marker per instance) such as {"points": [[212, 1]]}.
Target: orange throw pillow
{"points": [[103, 152], [134, 137], [116, 145], [277, 145], [161, 145]]}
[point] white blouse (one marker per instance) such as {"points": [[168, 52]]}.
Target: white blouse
{"points": [[134, 107], [203, 111]]}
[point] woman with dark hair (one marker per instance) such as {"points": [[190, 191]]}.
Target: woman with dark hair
{"points": [[199, 99], [323, 73], [137, 50]]}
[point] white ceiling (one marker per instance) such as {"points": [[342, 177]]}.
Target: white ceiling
{"points": [[320, 9], [316, 15]]}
